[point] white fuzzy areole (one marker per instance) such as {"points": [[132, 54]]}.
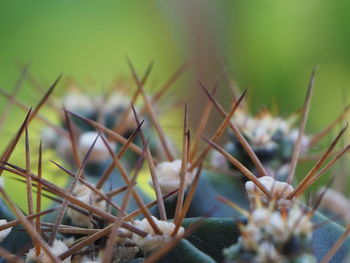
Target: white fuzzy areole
{"points": [[49, 138], [78, 102], [277, 226], [117, 100], [168, 176], [64, 148], [69, 241], [153, 241], [57, 249], [269, 226], [299, 222], [116, 105], [260, 216], [4, 233], [280, 191], [305, 140], [267, 253], [86, 195], [100, 151], [218, 161], [260, 128]]}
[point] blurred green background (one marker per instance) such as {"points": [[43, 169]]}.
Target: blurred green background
{"points": [[269, 47]]}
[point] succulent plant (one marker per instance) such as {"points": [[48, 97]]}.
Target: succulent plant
{"points": [[198, 215]]}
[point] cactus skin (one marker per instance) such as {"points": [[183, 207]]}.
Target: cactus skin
{"points": [[214, 234], [204, 202], [186, 252], [324, 238]]}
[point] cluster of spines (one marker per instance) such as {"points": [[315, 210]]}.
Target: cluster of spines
{"points": [[189, 162]]}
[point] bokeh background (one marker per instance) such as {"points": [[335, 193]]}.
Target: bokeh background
{"points": [[268, 46]]}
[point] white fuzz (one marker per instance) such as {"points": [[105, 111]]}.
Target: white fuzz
{"points": [[305, 140], [218, 161], [153, 241], [83, 193], [100, 151], [252, 236], [64, 148], [299, 222], [273, 226], [77, 102], [267, 253], [261, 128], [49, 138], [279, 190], [116, 106], [269, 227], [117, 100], [260, 216], [168, 174], [4, 233], [57, 249], [69, 241], [277, 227]]}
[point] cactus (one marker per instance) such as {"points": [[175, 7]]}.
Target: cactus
{"points": [[199, 214]]}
